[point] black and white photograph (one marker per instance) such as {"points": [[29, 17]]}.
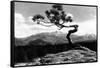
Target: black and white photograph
{"points": [[53, 33]]}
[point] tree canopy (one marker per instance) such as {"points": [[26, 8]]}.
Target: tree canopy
{"points": [[55, 14], [38, 16]]}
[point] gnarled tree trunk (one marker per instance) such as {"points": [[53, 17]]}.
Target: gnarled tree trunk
{"points": [[70, 32]]}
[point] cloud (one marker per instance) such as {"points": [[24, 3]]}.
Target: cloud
{"points": [[29, 21], [23, 29], [86, 27], [19, 19]]}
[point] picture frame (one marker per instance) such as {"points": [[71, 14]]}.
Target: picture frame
{"points": [[40, 35]]}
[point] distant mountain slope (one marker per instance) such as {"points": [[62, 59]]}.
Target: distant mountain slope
{"points": [[52, 38]]}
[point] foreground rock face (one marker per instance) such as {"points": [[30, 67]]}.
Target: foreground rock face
{"points": [[77, 55], [72, 56]]}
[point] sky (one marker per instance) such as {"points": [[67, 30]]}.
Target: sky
{"points": [[84, 16]]}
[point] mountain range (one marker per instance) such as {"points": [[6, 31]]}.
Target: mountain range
{"points": [[52, 38]]}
